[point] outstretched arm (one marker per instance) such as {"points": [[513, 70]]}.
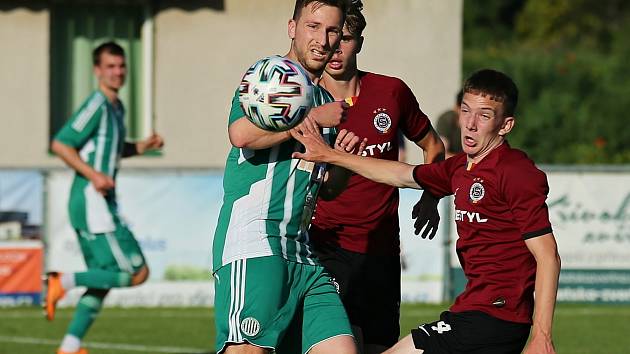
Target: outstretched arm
{"points": [[545, 251], [394, 173]]}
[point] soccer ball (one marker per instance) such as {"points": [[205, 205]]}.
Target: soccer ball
{"points": [[276, 93]]}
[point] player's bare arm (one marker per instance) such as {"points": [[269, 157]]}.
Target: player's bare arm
{"points": [[244, 134], [432, 146], [394, 173], [545, 252], [330, 114], [102, 183]]}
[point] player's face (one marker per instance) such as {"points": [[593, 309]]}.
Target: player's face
{"points": [[315, 34], [111, 71], [482, 124], [343, 63]]}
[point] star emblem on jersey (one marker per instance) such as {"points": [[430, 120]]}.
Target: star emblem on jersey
{"points": [[382, 120], [250, 326], [477, 191]]}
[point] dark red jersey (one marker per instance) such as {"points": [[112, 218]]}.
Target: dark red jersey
{"points": [[499, 203], [364, 217]]}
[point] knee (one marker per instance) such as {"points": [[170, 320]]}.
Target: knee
{"points": [[140, 276]]}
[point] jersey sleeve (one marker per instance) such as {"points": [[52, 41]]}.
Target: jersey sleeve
{"points": [[414, 123], [80, 127], [436, 177], [526, 190]]}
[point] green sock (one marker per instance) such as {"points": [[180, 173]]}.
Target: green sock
{"points": [[88, 308], [102, 279]]}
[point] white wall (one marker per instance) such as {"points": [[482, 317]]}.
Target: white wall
{"points": [[24, 86]]}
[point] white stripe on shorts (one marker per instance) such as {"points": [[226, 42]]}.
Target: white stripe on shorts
{"points": [[237, 299], [123, 262]]}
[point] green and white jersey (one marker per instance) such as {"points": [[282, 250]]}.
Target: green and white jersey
{"points": [[97, 131], [268, 199]]}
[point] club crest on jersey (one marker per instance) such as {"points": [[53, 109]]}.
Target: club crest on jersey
{"points": [[477, 191], [250, 326], [382, 120]]}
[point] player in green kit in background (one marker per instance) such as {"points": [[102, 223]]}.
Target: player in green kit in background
{"points": [[270, 291], [92, 143]]}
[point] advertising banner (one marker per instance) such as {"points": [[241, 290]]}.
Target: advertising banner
{"points": [[172, 215], [21, 254], [20, 272]]}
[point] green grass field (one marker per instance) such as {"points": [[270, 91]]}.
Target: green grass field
{"points": [[579, 329]]}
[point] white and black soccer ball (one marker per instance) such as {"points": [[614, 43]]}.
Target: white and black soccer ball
{"points": [[276, 93]]}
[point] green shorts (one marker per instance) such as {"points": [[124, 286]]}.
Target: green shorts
{"points": [[113, 251], [277, 304]]}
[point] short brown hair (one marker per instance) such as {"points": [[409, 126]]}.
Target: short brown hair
{"points": [[110, 47], [355, 21], [300, 4], [497, 85]]}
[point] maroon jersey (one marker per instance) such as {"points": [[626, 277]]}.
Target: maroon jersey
{"points": [[364, 217], [499, 203]]}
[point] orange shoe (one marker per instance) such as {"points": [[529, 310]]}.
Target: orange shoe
{"points": [[81, 351], [54, 292]]}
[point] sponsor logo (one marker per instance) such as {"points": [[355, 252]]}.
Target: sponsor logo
{"points": [[465, 215], [371, 150], [382, 120], [477, 191], [250, 326], [499, 302]]}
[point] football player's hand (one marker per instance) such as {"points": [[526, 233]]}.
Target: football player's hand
{"points": [[426, 214], [330, 114], [153, 142], [348, 141], [540, 344], [102, 183], [316, 148]]}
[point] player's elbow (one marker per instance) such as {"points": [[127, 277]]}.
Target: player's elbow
{"points": [[558, 260], [239, 141], [238, 137], [56, 147]]}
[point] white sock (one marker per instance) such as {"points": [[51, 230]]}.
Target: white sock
{"points": [[67, 281], [70, 344]]}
